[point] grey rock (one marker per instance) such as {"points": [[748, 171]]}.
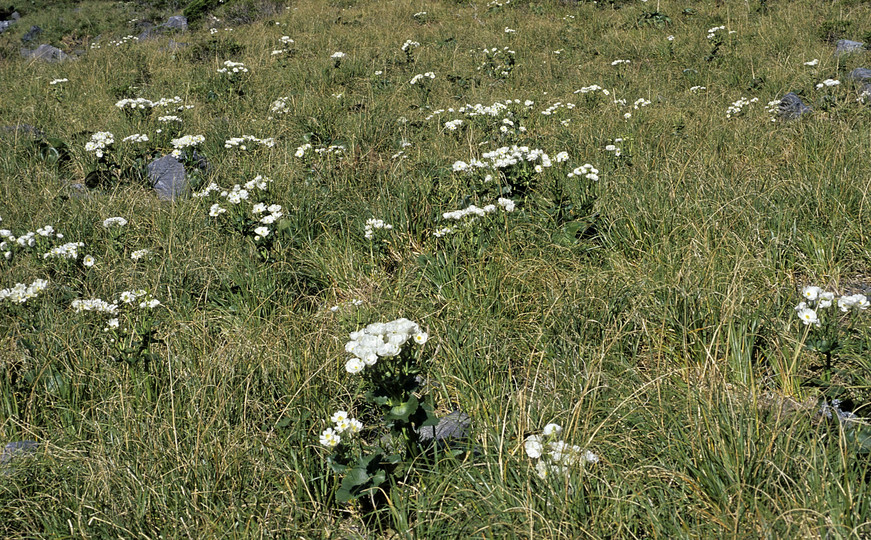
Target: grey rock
{"points": [[176, 22], [844, 46], [4, 25], [23, 130], [16, 449], [31, 34], [168, 178], [46, 53], [792, 107], [453, 426], [15, 16], [862, 75], [148, 33]]}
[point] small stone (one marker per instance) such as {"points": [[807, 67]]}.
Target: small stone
{"points": [[453, 426], [31, 34], [46, 53], [168, 178], [792, 107], [844, 46], [861, 75], [14, 450], [20, 130], [4, 25]]}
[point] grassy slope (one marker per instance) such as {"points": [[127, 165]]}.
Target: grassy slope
{"points": [[623, 338]]}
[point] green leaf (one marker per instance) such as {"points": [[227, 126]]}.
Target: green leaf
{"points": [[402, 411]]}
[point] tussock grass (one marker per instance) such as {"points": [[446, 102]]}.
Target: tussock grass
{"points": [[661, 336]]}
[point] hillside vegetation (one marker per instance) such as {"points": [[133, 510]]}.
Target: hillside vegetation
{"points": [[597, 218]]}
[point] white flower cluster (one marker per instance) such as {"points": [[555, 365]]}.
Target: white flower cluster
{"points": [[592, 88], [614, 148], [737, 108], [813, 62], [279, 106], [828, 83], [338, 55], [421, 76], [58, 81], [231, 68], [26, 240], [99, 141], [453, 125], [619, 62], [188, 141], [114, 222], [272, 213], [472, 212], [66, 251], [336, 149], [772, 109], [556, 106], [260, 212], [136, 138], [287, 42], [815, 298], [381, 340], [356, 302], [409, 45], [21, 293], [697, 89], [342, 423], [555, 456], [95, 304], [139, 254], [587, 171], [240, 142], [372, 224], [134, 104], [640, 102], [712, 32]]}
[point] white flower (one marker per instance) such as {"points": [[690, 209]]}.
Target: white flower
{"points": [[542, 469], [339, 416], [829, 83], [138, 137], [533, 446], [330, 438], [88, 261], [813, 62], [354, 426], [112, 323], [811, 293], [421, 337], [114, 222], [216, 210], [826, 299], [261, 232], [138, 254], [153, 303], [808, 317], [58, 81], [552, 429], [338, 55], [354, 366]]}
